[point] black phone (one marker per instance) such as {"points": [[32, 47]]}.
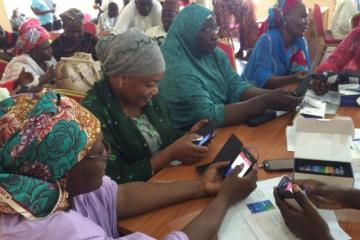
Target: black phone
{"points": [[286, 193], [206, 133], [234, 151], [244, 157], [262, 118], [303, 86], [279, 164]]}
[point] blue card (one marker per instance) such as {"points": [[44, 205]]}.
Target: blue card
{"points": [[258, 207]]}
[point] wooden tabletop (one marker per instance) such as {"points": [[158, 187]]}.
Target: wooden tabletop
{"points": [[269, 140]]}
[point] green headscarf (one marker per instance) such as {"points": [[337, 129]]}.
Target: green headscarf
{"points": [[131, 53], [196, 86]]}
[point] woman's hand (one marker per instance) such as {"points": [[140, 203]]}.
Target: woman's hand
{"points": [[320, 87], [48, 76], [212, 178], [198, 126], [323, 195], [234, 188], [301, 75], [305, 224], [186, 151], [281, 99]]}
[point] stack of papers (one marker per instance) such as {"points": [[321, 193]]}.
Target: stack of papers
{"points": [[257, 217], [317, 106]]}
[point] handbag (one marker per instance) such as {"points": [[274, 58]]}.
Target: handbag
{"points": [[77, 73]]}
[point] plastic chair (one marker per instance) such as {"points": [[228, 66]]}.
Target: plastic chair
{"points": [[355, 20], [326, 36], [229, 50], [77, 96]]}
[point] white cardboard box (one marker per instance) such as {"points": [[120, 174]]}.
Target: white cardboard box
{"points": [[324, 144]]}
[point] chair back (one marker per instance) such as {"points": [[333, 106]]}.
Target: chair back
{"points": [[318, 21], [229, 50]]}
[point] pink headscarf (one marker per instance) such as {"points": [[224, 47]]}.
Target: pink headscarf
{"points": [[31, 35]]}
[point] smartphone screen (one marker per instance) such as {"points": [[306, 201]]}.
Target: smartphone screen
{"points": [[285, 184], [242, 158], [203, 140]]}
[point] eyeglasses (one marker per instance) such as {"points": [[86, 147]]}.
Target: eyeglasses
{"points": [[106, 152], [214, 30]]}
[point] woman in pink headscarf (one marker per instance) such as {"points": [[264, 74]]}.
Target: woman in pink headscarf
{"points": [[34, 63]]}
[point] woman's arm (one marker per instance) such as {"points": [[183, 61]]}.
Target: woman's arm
{"points": [[131, 200]]}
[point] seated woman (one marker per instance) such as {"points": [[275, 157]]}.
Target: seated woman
{"points": [[280, 56], [7, 43], [346, 56], [74, 39], [134, 119], [33, 65], [108, 20], [199, 82], [52, 182]]}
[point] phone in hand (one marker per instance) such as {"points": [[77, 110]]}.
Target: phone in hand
{"points": [[206, 133], [302, 87], [244, 158], [279, 164], [286, 193]]}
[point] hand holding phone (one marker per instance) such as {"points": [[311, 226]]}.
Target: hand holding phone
{"points": [[286, 193], [206, 133]]}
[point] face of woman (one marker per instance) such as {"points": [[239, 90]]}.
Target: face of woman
{"points": [[87, 175], [296, 21], [74, 32], [42, 52], [207, 38], [136, 91]]}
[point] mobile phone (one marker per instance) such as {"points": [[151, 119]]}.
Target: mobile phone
{"points": [[302, 87], [245, 158], [278, 164], [206, 134], [262, 118], [286, 193]]}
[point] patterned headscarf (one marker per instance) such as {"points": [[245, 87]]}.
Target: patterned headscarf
{"points": [[42, 136], [31, 35], [131, 53], [276, 14], [72, 16]]}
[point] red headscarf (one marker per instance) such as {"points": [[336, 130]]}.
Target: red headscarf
{"points": [[31, 35]]}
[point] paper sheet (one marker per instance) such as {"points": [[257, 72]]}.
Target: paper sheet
{"points": [[241, 223], [290, 138]]}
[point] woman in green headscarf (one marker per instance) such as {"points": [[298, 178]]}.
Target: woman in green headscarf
{"points": [[199, 82], [134, 119]]}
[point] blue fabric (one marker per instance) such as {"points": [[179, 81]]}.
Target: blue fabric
{"points": [[41, 6], [269, 58]]}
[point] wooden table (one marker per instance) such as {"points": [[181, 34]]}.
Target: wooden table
{"points": [[270, 141]]}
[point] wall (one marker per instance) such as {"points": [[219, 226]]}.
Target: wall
{"points": [[4, 21], [264, 5]]}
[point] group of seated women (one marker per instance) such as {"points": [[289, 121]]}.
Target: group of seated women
{"points": [[54, 152]]}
